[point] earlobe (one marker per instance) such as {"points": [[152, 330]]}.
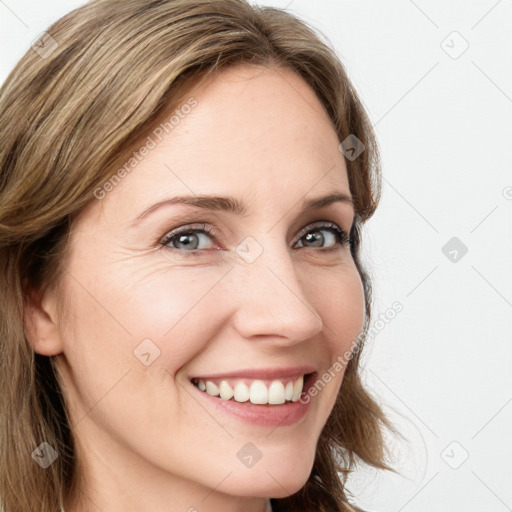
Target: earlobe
{"points": [[41, 323]]}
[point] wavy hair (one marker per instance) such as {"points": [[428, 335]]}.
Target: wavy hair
{"points": [[70, 112]]}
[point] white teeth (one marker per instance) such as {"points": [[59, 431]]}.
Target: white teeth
{"points": [[289, 391], [212, 388], [258, 393], [297, 388], [241, 392], [226, 391], [276, 393]]}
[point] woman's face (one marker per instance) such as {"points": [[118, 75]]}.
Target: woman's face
{"points": [[273, 289]]}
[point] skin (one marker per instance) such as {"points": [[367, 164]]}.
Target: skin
{"points": [[144, 443]]}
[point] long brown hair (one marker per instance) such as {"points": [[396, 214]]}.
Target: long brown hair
{"points": [[70, 113]]}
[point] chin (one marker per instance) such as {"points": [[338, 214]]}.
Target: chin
{"points": [[274, 480]]}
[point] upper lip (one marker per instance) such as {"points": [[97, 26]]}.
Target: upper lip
{"points": [[262, 373]]}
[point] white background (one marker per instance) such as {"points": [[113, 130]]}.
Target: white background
{"points": [[442, 366]]}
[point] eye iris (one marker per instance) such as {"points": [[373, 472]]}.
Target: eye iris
{"points": [[315, 236], [186, 236]]}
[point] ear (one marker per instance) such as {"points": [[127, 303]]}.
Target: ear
{"points": [[41, 322]]}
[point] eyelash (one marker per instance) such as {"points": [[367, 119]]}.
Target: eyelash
{"points": [[343, 239]]}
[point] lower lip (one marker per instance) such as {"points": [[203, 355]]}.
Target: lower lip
{"points": [[263, 415]]}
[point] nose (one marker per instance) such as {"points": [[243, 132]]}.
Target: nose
{"points": [[271, 301]]}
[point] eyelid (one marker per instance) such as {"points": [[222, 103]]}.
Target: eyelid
{"points": [[321, 224], [190, 227]]}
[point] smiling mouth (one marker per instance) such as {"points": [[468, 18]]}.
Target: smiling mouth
{"points": [[256, 391]]}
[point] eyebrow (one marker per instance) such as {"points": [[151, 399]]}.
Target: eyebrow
{"points": [[232, 205]]}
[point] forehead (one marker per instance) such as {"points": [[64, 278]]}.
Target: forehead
{"points": [[252, 132]]}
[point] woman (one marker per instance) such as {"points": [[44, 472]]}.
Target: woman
{"points": [[183, 187]]}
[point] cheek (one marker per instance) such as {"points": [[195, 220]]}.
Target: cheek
{"points": [[176, 310], [342, 308], [120, 323], [339, 299]]}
